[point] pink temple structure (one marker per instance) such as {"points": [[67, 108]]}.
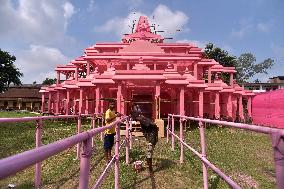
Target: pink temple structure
{"points": [[143, 69]]}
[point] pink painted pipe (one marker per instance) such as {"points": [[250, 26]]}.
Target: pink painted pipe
{"points": [[278, 151], [78, 131], [277, 146], [104, 174], [38, 144], [127, 143], [260, 129], [208, 163], [130, 137], [85, 164], [116, 163], [93, 123], [181, 159], [18, 162], [25, 119], [203, 152], [168, 125], [173, 131]]}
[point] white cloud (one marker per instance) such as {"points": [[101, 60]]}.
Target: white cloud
{"points": [[39, 62], [120, 25], [200, 44], [240, 33], [41, 22], [263, 27], [91, 6], [68, 10], [164, 18], [35, 21]]}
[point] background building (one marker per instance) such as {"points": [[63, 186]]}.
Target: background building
{"points": [[23, 97], [273, 83]]}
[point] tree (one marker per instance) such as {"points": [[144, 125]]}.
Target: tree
{"points": [[8, 72], [219, 55], [247, 67], [222, 57], [49, 81]]}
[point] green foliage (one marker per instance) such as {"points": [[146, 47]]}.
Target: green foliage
{"points": [[49, 81], [222, 57], [219, 55], [8, 72], [246, 67]]}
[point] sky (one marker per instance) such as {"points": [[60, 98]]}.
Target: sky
{"points": [[45, 33]]}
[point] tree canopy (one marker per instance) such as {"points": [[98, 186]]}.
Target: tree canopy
{"points": [[49, 81], [219, 55], [247, 67], [245, 64], [8, 72]]}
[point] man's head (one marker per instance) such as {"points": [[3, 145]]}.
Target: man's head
{"points": [[136, 111], [111, 105]]}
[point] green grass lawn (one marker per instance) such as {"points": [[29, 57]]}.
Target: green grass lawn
{"points": [[245, 156]]}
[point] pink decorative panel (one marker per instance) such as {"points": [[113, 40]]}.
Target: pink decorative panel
{"points": [[268, 109]]}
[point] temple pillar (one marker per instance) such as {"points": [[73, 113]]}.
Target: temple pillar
{"points": [[88, 68], [118, 97], [57, 102], [231, 79], [74, 104], [190, 98], [241, 109], [229, 105], [87, 102], [49, 102], [102, 95], [67, 102], [76, 73], [249, 106], [128, 65], [195, 70], [58, 78], [172, 101], [209, 75], [97, 99], [123, 99], [181, 101], [195, 103], [157, 100], [81, 100], [217, 105], [200, 103], [211, 109], [42, 103]]}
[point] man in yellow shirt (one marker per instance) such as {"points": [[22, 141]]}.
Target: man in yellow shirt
{"points": [[110, 116]]}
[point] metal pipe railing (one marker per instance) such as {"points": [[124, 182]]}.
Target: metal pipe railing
{"points": [[256, 128], [18, 162], [208, 163], [277, 144]]}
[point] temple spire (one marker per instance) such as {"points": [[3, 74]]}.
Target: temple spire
{"points": [[143, 25], [143, 32]]}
